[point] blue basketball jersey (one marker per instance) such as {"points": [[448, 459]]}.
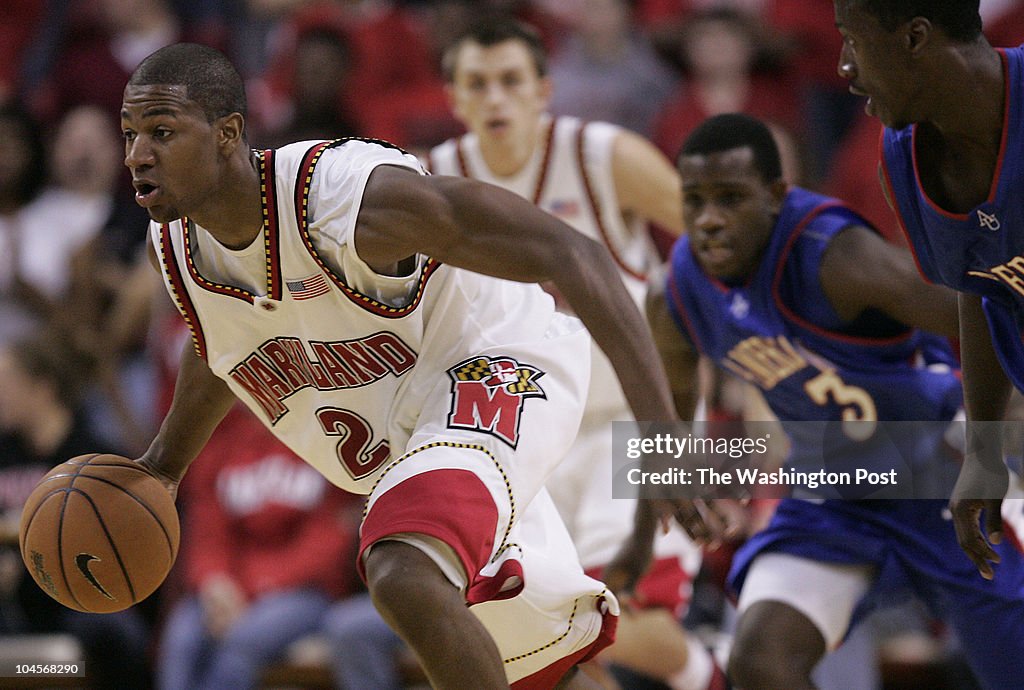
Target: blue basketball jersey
{"points": [[980, 252], [779, 331]]}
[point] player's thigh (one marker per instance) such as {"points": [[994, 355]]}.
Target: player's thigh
{"points": [[451, 500], [559, 616], [522, 403], [524, 583], [824, 594], [478, 454]]}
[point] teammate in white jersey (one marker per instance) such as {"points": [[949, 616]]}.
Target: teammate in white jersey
{"points": [[607, 183], [366, 313]]}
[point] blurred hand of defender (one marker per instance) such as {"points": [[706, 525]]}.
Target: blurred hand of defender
{"points": [[708, 522], [979, 521]]}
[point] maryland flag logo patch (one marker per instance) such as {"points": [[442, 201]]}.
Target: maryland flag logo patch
{"points": [[488, 395]]}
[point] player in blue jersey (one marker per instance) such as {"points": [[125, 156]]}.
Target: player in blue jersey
{"points": [[953, 165], [770, 273]]}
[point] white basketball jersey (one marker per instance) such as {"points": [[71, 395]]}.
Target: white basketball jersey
{"points": [[335, 359], [570, 177]]}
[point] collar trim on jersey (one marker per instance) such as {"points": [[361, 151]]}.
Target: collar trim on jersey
{"points": [[542, 175], [271, 226], [179, 292], [994, 187], [271, 240], [302, 187]]}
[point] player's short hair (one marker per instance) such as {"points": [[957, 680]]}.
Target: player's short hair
{"points": [[959, 19], [492, 30], [210, 80], [734, 131]]}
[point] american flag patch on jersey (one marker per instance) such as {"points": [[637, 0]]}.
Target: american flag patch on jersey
{"points": [[564, 208], [308, 287]]}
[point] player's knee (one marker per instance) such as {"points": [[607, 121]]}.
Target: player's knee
{"points": [[774, 647], [401, 579], [751, 666], [744, 663]]}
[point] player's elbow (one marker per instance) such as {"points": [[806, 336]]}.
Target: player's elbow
{"points": [[581, 253], [580, 261]]}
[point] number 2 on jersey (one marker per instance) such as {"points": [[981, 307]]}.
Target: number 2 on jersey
{"points": [[354, 449]]}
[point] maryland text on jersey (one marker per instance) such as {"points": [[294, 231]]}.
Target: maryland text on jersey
{"points": [[283, 365]]}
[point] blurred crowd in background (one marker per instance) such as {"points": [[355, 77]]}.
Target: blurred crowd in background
{"points": [[88, 339]]}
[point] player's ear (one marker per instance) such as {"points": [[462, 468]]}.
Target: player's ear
{"points": [[230, 132], [918, 34], [546, 89], [778, 189]]}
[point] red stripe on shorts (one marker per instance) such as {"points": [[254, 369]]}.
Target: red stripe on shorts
{"points": [[451, 505]]}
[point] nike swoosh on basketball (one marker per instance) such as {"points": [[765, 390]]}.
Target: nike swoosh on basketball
{"points": [[82, 561]]}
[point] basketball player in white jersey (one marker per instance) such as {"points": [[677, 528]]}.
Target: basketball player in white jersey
{"points": [[366, 312], [606, 182]]}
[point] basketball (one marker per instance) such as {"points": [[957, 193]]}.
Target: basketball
{"points": [[99, 533]]}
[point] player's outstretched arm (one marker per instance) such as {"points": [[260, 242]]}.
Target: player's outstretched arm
{"points": [[860, 270], [646, 182], [634, 555], [488, 230], [983, 480], [707, 521], [201, 400]]}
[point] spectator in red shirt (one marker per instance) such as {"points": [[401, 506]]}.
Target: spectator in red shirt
{"points": [[307, 91], [728, 67], [22, 19], [270, 545], [827, 109]]}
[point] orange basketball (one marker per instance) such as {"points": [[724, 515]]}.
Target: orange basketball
{"points": [[99, 533]]}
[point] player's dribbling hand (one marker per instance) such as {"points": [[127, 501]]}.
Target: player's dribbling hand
{"points": [[978, 521]]}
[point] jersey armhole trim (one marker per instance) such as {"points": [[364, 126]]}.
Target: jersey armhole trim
{"points": [[790, 315], [886, 180], [595, 207], [677, 310], [302, 189]]}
